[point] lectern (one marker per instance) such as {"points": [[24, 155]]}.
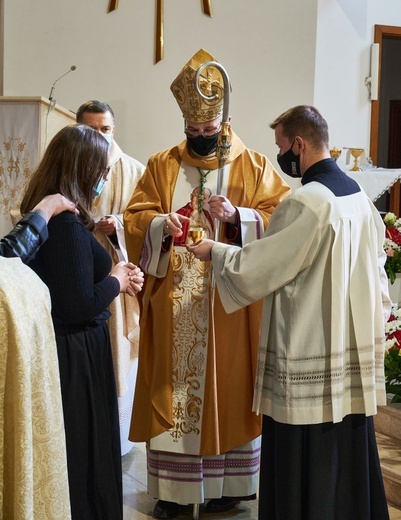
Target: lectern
{"points": [[27, 124]]}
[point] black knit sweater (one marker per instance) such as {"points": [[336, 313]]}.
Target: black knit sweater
{"points": [[76, 268]]}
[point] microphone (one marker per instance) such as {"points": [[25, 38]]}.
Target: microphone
{"points": [[73, 67]]}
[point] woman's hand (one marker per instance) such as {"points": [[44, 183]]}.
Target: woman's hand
{"points": [[130, 277], [137, 279]]}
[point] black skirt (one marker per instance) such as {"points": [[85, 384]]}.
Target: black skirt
{"points": [[91, 424], [321, 472]]}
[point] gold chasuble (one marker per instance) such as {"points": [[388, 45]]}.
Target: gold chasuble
{"points": [[197, 364], [33, 464]]}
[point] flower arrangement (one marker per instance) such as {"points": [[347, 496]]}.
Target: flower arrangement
{"points": [[392, 359], [392, 246]]}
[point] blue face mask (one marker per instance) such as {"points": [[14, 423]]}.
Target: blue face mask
{"points": [[97, 190], [108, 137]]}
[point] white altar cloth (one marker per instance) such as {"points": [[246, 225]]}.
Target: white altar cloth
{"points": [[375, 182]]}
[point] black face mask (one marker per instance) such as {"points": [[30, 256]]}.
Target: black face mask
{"points": [[289, 163], [203, 145]]}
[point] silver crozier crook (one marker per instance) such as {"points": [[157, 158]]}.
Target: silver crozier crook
{"points": [[224, 143]]}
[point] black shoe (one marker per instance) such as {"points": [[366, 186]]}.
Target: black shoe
{"points": [[246, 498], [164, 509], [219, 505]]}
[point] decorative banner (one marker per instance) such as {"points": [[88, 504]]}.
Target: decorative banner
{"points": [[159, 35], [19, 155], [113, 5], [207, 7]]}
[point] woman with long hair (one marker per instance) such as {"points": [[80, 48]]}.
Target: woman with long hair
{"points": [[77, 271]]}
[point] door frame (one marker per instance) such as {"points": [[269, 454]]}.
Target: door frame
{"points": [[382, 31]]}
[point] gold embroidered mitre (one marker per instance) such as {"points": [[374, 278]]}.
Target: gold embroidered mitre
{"points": [[193, 107]]}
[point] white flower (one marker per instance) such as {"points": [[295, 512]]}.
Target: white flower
{"points": [[389, 244], [390, 343], [391, 327]]}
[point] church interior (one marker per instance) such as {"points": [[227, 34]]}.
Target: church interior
{"points": [[341, 56]]}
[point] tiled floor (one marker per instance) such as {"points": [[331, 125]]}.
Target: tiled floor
{"points": [[139, 506]]}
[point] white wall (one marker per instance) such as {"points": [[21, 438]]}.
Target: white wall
{"points": [[277, 54], [344, 37], [267, 47], [342, 63]]}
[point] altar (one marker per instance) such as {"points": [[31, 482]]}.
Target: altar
{"points": [[375, 181]]}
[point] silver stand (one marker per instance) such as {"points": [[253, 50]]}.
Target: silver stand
{"points": [[195, 514]]}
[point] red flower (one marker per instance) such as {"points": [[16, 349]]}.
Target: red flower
{"points": [[397, 335], [393, 234]]}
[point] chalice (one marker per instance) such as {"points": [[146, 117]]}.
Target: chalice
{"points": [[356, 153], [196, 231], [335, 153]]}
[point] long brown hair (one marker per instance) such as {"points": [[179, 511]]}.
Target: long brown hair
{"points": [[72, 165]]}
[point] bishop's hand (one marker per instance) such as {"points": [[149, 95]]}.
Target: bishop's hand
{"points": [[222, 209], [173, 224]]}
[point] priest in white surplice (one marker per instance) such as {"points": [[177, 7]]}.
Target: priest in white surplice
{"points": [[320, 377]]}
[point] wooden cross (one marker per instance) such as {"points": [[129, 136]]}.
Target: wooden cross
{"points": [[206, 7], [159, 33], [113, 5]]}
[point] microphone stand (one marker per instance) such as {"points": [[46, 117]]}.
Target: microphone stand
{"points": [[53, 101]]}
